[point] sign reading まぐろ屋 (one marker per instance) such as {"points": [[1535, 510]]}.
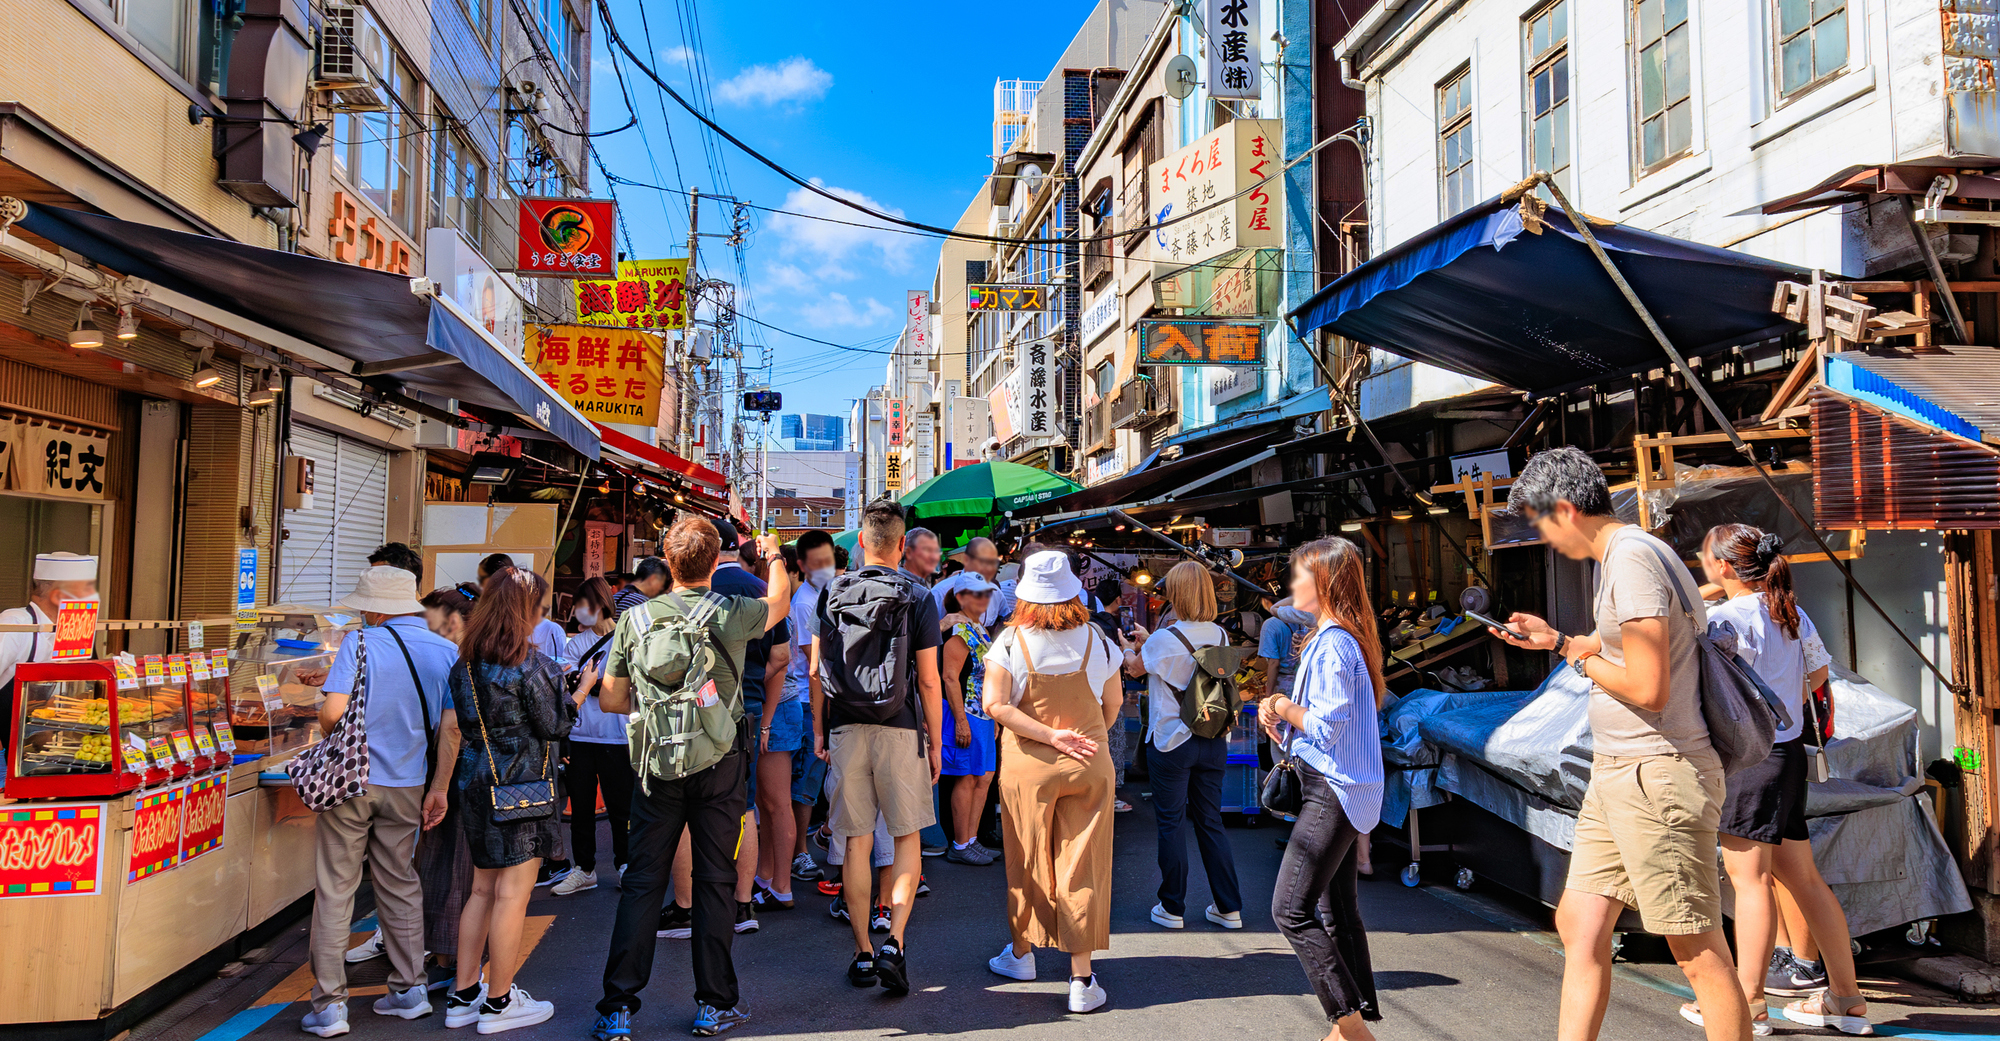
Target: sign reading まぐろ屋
{"points": [[1218, 194], [570, 238], [610, 375]]}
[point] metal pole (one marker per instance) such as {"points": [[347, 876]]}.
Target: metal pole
{"points": [[1176, 544], [1937, 270], [688, 387]]}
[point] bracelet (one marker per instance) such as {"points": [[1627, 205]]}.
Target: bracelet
{"points": [[1562, 641]]}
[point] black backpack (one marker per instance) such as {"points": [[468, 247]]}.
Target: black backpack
{"points": [[868, 675]]}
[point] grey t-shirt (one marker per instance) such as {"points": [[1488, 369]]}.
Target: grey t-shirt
{"points": [[1633, 583]]}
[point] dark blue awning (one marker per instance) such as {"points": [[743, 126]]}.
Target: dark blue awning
{"points": [[1483, 295], [394, 337]]}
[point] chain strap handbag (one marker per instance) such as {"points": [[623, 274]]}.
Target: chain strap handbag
{"points": [[521, 801], [336, 769]]}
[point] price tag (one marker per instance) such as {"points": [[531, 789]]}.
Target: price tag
{"points": [[127, 678], [194, 636], [267, 686], [198, 665], [225, 736], [177, 668], [183, 746], [158, 748], [218, 661], [135, 756], [155, 670], [204, 742]]}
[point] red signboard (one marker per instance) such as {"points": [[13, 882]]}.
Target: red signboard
{"points": [[201, 822], [895, 410], [76, 628], [156, 832], [568, 238], [51, 849]]}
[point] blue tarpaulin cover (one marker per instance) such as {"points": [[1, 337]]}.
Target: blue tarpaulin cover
{"points": [[355, 312], [1484, 295]]}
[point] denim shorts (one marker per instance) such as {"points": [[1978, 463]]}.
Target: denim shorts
{"points": [[808, 770], [787, 731]]}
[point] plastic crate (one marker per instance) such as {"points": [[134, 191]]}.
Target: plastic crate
{"points": [[1241, 786]]}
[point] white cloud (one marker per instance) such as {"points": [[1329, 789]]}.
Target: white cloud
{"points": [[836, 311], [794, 79], [678, 55], [801, 264], [833, 248]]}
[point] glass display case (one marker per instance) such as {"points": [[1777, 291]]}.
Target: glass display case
{"points": [[76, 734], [208, 705], [290, 649], [169, 743]]}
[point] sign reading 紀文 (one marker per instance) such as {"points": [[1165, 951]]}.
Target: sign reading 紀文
{"points": [[1235, 68], [1006, 297], [610, 375], [53, 461], [1205, 179], [567, 238], [648, 294], [1192, 341]]}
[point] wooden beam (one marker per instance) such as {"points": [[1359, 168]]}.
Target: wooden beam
{"points": [[1802, 373]]}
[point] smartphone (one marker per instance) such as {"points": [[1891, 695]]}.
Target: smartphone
{"points": [[1491, 624]]}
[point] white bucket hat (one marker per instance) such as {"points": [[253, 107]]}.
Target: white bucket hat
{"points": [[1047, 579], [385, 590]]}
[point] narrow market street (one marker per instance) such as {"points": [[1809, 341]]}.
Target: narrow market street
{"points": [[1480, 964]]}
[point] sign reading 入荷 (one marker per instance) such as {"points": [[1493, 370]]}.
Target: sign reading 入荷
{"points": [[1190, 341]]}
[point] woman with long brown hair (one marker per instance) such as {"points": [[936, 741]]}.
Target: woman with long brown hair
{"points": [[1763, 831], [1329, 726], [512, 713]]}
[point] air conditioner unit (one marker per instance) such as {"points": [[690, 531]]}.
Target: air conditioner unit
{"points": [[351, 52], [433, 434]]}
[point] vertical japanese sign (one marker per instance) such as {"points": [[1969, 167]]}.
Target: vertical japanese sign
{"points": [[610, 375], [893, 409], [567, 238], [647, 294], [951, 395], [1198, 191], [925, 441], [51, 849], [60, 462], [1037, 393], [202, 820], [1002, 404], [852, 489], [246, 586], [156, 832], [917, 336], [1235, 69], [892, 472], [76, 628]]}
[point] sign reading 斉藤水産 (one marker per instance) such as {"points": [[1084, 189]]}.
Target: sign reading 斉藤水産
{"points": [[610, 375]]}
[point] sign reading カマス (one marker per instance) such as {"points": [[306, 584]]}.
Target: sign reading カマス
{"points": [[647, 294], [610, 375], [51, 849]]}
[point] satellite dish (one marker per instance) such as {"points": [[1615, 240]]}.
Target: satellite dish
{"points": [[1180, 77]]}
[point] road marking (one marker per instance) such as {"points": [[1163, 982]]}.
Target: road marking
{"points": [[299, 985], [238, 1026]]}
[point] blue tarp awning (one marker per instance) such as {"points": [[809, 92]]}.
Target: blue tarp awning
{"points": [[1483, 295], [369, 317]]}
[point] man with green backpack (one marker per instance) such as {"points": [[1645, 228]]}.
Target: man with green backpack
{"points": [[676, 666]]}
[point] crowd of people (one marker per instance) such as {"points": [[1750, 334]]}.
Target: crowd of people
{"points": [[725, 691]]}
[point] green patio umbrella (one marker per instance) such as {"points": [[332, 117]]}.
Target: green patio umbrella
{"points": [[848, 540], [983, 490]]}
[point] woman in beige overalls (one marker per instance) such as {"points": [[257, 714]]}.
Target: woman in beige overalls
{"points": [[1052, 683]]}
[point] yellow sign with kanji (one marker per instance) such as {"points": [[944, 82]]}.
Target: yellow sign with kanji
{"points": [[647, 294], [893, 473], [610, 375]]}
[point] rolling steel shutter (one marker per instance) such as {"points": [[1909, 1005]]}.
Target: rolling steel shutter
{"points": [[327, 547]]}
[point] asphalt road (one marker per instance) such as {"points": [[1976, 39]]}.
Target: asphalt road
{"points": [[1448, 965]]}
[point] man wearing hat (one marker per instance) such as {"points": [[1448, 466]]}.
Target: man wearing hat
{"points": [[407, 689], [57, 577]]}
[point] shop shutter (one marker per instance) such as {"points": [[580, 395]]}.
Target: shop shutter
{"points": [[307, 572], [364, 512]]}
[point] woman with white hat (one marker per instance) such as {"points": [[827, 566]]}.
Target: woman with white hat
{"points": [[1052, 682]]}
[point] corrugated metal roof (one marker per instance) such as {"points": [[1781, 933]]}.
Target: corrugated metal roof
{"points": [[1954, 389], [1880, 470]]}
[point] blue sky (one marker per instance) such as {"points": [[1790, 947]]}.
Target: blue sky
{"points": [[891, 103]]}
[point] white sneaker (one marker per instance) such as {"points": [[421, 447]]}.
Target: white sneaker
{"points": [[1171, 921], [1232, 920], [457, 1015], [1006, 964], [370, 949], [618, 880], [1085, 995], [575, 882], [330, 1021], [521, 1011], [414, 1003]]}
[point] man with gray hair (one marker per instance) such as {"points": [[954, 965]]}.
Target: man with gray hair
{"points": [[982, 558], [921, 555]]}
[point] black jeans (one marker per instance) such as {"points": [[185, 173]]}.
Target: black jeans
{"points": [[1187, 788], [710, 805], [1319, 871], [592, 765]]}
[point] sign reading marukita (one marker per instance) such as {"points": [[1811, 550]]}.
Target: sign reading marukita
{"points": [[609, 375], [648, 294]]}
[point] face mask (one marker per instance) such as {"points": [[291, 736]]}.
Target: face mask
{"points": [[586, 616], [819, 577]]}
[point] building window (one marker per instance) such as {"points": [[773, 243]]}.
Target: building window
{"points": [[1812, 43], [1660, 48], [459, 182], [377, 151], [1547, 35], [825, 516], [560, 31], [1455, 142], [801, 513], [480, 14]]}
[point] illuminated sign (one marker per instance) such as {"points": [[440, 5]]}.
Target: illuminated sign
{"points": [[567, 238], [1188, 341], [1009, 298]]}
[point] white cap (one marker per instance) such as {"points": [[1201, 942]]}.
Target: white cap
{"points": [[65, 567], [386, 590], [1047, 579], [966, 582]]}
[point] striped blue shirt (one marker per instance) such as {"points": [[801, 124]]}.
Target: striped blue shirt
{"points": [[1340, 738]]}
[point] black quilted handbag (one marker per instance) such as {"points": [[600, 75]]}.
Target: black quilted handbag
{"points": [[336, 769], [1283, 793], [522, 800]]}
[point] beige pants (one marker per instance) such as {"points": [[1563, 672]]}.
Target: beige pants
{"points": [[379, 826], [1645, 837]]}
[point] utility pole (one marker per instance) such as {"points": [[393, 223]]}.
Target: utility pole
{"points": [[686, 385]]}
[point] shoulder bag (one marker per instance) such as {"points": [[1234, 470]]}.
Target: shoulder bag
{"points": [[521, 801], [335, 770], [423, 706], [1283, 792]]}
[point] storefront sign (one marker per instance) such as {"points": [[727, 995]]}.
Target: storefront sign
{"points": [[647, 294], [916, 333], [69, 463], [462, 273], [1105, 465], [892, 470], [925, 442], [1235, 67], [246, 586], [1009, 297], [1228, 384], [567, 238], [1234, 290], [1190, 341], [610, 375], [202, 821], [951, 395], [51, 849], [361, 241], [852, 489], [156, 832], [76, 629], [893, 411], [1197, 180], [1478, 464], [1102, 316], [596, 536], [1036, 393], [1000, 407]]}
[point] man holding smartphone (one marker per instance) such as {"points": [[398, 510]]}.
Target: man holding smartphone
{"points": [[1646, 833]]}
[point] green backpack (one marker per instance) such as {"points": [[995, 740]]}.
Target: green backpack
{"points": [[677, 664], [1210, 701]]}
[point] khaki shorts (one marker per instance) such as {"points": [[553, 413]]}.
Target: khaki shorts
{"points": [[1645, 837], [876, 769]]}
